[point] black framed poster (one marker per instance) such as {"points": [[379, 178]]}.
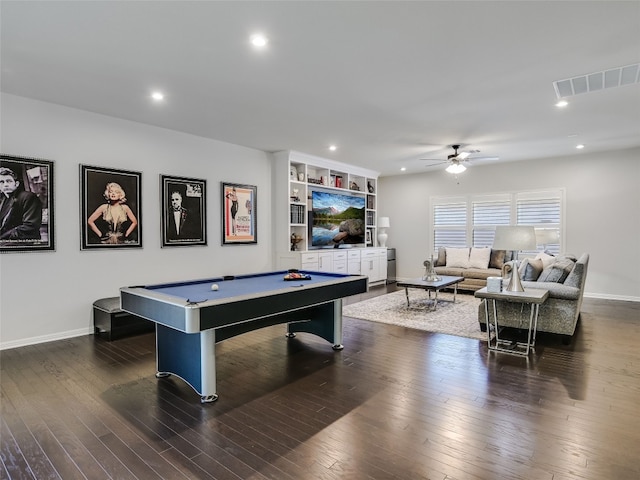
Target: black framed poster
{"points": [[184, 214], [26, 204], [111, 210]]}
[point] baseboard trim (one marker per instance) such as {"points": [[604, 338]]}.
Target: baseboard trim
{"points": [[622, 298], [46, 338]]}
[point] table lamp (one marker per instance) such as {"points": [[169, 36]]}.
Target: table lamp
{"points": [[514, 238], [383, 224]]}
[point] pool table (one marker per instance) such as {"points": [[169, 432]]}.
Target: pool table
{"points": [[192, 316]]}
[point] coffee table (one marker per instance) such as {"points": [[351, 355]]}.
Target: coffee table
{"points": [[445, 281], [531, 296]]}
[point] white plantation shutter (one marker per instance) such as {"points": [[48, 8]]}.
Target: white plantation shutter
{"points": [[471, 221], [542, 210], [450, 225], [487, 214]]}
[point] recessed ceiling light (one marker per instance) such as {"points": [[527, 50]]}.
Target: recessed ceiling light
{"points": [[403, 169], [580, 146], [333, 148], [259, 40], [157, 96], [562, 103]]}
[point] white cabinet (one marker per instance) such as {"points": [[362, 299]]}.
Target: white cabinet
{"points": [[374, 264], [308, 261], [369, 264], [318, 261], [325, 262], [340, 261], [353, 262], [296, 176]]}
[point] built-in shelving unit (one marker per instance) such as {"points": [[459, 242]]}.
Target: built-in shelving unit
{"points": [[296, 176]]}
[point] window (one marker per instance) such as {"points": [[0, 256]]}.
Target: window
{"points": [[471, 220], [487, 214], [450, 224]]}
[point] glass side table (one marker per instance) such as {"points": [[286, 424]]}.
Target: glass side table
{"points": [[533, 297]]}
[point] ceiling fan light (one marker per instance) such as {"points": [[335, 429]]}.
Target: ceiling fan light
{"points": [[456, 168]]}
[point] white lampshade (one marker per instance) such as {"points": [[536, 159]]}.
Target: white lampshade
{"points": [[515, 238], [549, 236], [383, 222]]}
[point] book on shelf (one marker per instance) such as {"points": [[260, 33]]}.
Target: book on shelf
{"points": [[371, 216], [297, 214], [371, 202]]}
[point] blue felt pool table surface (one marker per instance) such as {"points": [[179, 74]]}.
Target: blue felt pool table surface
{"points": [[200, 290], [191, 306]]}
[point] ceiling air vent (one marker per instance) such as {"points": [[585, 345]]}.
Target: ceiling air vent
{"points": [[591, 82]]}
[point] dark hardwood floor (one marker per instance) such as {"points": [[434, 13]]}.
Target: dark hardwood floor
{"points": [[394, 404]]}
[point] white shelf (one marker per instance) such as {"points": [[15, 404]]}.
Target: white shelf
{"points": [[297, 175]]}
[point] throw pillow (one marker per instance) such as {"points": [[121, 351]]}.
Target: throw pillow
{"points": [[530, 269], [479, 257], [458, 257], [497, 258], [557, 272], [547, 260], [441, 261]]}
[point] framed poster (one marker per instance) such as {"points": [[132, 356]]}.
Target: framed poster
{"points": [[26, 204], [238, 214], [184, 216], [110, 208]]}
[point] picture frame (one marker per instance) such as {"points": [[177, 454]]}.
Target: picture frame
{"points": [[184, 211], [239, 224], [369, 238], [110, 208], [27, 222]]}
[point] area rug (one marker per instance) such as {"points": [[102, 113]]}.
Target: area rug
{"points": [[459, 318]]}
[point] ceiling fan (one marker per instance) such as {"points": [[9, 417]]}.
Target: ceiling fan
{"points": [[457, 160]]}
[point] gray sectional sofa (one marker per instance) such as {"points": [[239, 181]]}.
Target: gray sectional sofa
{"points": [[561, 311]]}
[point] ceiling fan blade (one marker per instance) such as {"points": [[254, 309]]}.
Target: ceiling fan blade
{"points": [[481, 159], [440, 162]]}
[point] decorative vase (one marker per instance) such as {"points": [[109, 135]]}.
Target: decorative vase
{"points": [[382, 238]]}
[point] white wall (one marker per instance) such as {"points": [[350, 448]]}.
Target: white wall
{"points": [[48, 295], [602, 211]]}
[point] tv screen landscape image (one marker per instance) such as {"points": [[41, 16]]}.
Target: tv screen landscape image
{"points": [[336, 219]]}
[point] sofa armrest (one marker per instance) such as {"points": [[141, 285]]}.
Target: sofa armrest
{"points": [[556, 290]]}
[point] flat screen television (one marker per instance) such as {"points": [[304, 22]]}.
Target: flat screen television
{"points": [[336, 219]]}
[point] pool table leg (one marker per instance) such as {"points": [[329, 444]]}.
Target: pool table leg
{"points": [[337, 325], [324, 320], [190, 356]]}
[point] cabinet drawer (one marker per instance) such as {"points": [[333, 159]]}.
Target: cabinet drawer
{"points": [[353, 255], [340, 267], [308, 258], [339, 256]]}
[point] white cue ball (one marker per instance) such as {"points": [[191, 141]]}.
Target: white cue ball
{"points": [[214, 286]]}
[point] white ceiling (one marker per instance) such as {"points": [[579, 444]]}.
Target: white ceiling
{"points": [[388, 82]]}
